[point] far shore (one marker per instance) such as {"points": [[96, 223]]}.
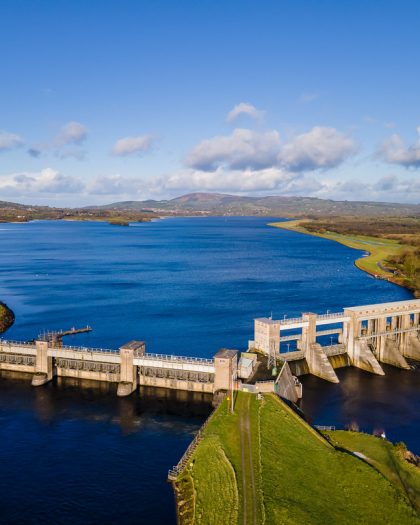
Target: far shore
{"points": [[377, 250]]}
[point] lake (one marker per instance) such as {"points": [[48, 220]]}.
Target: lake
{"points": [[185, 286]]}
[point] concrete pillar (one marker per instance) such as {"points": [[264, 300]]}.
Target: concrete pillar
{"points": [[225, 373], [386, 346], [351, 331], [358, 348], [403, 338], [128, 372], [267, 336], [308, 332], [380, 340], [316, 359], [43, 364], [394, 322]]}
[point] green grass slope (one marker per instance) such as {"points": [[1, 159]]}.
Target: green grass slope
{"points": [[263, 464], [305, 482], [385, 457]]}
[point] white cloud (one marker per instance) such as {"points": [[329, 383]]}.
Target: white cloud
{"points": [[244, 109], [71, 133], [9, 141], [394, 151], [243, 149], [130, 145], [389, 188], [52, 186], [319, 148], [114, 185], [269, 180], [66, 143], [44, 181]]}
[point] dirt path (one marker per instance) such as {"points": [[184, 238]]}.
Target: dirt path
{"points": [[248, 475], [244, 502]]}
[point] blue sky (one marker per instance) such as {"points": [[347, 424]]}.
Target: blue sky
{"points": [[114, 100]]}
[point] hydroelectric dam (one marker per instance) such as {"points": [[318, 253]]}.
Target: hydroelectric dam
{"points": [[367, 336]]}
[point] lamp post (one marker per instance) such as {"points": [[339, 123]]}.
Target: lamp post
{"points": [[233, 378]]}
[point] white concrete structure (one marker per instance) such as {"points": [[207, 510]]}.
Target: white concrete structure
{"points": [[368, 335], [129, 367]]}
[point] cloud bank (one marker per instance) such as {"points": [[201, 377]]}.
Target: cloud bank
{"points": [[319, 148]]}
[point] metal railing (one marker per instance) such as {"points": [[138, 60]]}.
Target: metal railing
{"points": [[184, 359], [291, 320], [175, 471], [334, 315], [16, 343], [389, 332], [86, 349]]}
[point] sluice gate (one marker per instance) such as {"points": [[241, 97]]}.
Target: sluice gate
{"points": [[129, 366], [366, 335]]}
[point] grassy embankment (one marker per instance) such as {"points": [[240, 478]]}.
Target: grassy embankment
{"points": [[392, 257], [7, 317], [389, 459], [263, 464]]}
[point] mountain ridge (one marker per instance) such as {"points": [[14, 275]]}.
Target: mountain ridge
{"points": [[227, 204], [207, 203]]}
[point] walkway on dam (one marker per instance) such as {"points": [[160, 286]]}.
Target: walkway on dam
{"points": [[249, 497]]}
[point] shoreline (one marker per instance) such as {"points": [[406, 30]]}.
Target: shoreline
{"points": [[7, 317], [376, 251]]}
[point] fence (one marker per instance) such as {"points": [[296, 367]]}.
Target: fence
{"points": [[174, 472]]}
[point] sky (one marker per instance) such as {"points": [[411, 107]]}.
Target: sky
{"points": [[105, 101]]}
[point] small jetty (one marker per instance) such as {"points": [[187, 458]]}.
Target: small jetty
{"points": [[55, 337]]}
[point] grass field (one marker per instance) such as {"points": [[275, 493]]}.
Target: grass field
{"points": [[264, 464], [384, 456], [380, 250]]}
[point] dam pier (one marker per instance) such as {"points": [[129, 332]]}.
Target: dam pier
{"points": [[366, 337], [129, 367]]}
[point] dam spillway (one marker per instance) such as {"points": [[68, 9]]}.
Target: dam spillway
{"points": [[367, 336], [129, 367]]}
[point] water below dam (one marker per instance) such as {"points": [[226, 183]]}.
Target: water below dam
{"points": [[185, 286]]}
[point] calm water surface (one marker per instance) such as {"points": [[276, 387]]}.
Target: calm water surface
{"points": [[187, 286]]}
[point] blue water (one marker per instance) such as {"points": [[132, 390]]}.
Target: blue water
{"points": [[186, 286]]}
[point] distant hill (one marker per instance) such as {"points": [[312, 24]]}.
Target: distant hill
{"points": [[224, 204], [12, 205], [217, 204]]}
